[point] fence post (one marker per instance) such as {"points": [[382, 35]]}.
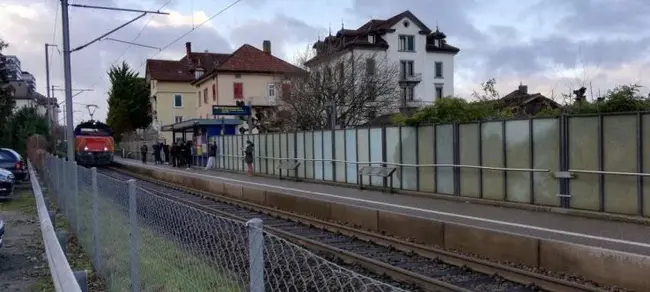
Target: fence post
{"points": [[75, 197], [256, 254], [133, 222], [95, 195]]}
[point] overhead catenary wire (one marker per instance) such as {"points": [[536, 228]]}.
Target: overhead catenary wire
{"points": [[188, 32]]}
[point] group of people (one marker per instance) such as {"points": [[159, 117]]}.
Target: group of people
{"points": [[181, 154]]}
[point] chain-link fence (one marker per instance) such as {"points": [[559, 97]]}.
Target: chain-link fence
{"points": [[140, 241]]}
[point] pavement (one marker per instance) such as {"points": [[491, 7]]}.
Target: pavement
{"points": [[614, 235]]}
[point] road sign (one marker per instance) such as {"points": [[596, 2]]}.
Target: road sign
{"points": [[231, 110]]}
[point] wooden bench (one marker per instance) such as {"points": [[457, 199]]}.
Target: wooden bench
{"points": [[384, 172], [288, 165]]}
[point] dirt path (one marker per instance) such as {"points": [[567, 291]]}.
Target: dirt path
{"points": [[23, 265]]}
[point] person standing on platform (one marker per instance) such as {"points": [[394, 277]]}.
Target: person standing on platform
{"points": [[165, 149], [157, 147], [143, 152], [174, 154], [211, 155], [248, 157], [188, 154]]}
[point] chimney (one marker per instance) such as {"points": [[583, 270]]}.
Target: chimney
{"points": [[266, 46], [188, 49], [523, 89]]}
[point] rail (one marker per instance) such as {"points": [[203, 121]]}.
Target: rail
{"points": [[63, 277]]}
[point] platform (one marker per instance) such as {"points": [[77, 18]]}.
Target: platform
{"points": [[620, 236]]}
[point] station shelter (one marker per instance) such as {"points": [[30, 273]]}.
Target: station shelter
{"points": [[203, 131]]}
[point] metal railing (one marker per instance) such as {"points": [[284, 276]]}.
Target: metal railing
{"points": [[63, 278], [140, 241]]}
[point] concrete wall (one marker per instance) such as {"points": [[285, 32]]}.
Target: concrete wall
{"points": [[521, 144], [596, 264]]}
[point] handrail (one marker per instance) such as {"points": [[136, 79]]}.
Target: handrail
{"points": [[62, 275], [585, 171], [400, 164]]}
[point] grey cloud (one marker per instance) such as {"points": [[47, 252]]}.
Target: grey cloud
{"points": [[89, 65], [280, 31], [599, 16]]}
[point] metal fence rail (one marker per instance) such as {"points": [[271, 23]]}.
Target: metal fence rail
{"points": [[139, 241], [63, 278]]}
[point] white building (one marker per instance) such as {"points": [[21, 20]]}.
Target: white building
{"points": [[425, 58]]}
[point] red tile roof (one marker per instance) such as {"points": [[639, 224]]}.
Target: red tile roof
{"points": [[249, 59], [246, 59]]}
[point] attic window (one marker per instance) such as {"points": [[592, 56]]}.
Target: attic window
{"points": [[371, 39], [406, 23]]}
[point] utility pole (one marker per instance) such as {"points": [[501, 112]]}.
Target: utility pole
{"points": [[66, 60], [50, 116]]}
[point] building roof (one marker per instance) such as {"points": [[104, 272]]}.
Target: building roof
{"points": [[246, 59], [190, 124], [249, 59], [346, 39], [183, 69]]}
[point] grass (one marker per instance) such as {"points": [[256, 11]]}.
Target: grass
{"points": [[164, 264], [23, 201]]}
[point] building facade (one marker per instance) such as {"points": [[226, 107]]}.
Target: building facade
{"points": [[173, 98], [248, 75], [424, 58], [14, 71], [29, 79]]}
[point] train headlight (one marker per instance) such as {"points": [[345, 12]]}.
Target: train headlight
{"points": [[85, 148], [105, 148]]}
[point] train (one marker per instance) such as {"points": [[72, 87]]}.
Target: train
{"points": [[94, 144]]}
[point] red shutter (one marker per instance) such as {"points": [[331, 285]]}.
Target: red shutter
{"points": [[214, 92], [238, 90]]}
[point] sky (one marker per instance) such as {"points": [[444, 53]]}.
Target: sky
{"points": [[553, 46]]}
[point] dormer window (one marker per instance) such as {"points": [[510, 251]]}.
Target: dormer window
{"points": [[371, 39], [198, 73], [436, 43]]}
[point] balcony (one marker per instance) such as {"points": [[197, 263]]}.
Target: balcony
{"points": [[410, 79], [416, 103], [264, 101]]}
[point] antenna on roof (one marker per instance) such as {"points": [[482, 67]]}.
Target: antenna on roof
{"points": [[342, 27], [330, 29]]}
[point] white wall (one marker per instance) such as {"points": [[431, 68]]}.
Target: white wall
{"points": [[424, 62]]}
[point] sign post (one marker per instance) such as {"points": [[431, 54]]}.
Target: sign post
{"points": [[230, 110]]}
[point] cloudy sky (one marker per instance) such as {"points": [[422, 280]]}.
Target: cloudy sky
{"points": [[550, 45]]}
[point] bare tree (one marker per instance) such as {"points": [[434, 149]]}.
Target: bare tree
{"points": [[341, 89]]}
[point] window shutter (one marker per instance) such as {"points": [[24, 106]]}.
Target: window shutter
{"points": [[238, 89], [214, 92], [286, 90]]}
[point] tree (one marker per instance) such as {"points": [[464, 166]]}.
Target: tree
{"points": [[129, 107], [6, 102], [353, 88], [23, 124]]}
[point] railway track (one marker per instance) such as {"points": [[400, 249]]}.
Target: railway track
{"points": [[410, 266]]}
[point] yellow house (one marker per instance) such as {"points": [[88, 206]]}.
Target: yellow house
{"points": [[251, 75], [173, 97]]}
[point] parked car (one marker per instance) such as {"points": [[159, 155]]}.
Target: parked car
{"points": [[7, 182], [2, 230], [12, 161]]}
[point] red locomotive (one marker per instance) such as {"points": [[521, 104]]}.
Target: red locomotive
{"points": [[94, 144]]}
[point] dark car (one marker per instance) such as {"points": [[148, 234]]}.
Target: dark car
{"points": [[12, 161], [7, 181], [2, 230]]}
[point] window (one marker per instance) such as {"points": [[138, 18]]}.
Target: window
{"points": [[438, 69], [205, 95], [286, 90], [199, 97], [406, 43], [370, 66], [371, 39], [271, 90], [214, 92], [237, 76], [439, 91], [238, 90], [406, 68], [178, 100], [178, 119], [341, 71], [408, 93]]}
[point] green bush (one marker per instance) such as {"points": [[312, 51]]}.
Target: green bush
{"points": [[624, 98]]}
